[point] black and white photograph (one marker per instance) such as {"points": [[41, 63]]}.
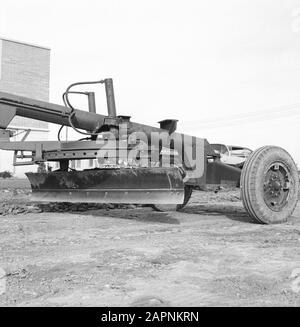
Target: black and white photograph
{"points": [[149, 156]]}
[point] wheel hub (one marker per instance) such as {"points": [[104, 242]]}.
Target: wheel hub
{"points": [[276, 186]]}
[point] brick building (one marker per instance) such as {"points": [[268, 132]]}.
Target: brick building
{"points": [[24, 70]]}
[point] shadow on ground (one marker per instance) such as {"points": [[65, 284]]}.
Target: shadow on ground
{"points": [[230, 211], [146, 215]]}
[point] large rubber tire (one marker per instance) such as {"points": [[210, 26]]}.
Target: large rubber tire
{"points": [[188, 190], [269, 185]]}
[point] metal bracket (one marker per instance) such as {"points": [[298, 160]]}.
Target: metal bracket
{"points": [[23, 156], [5, 135]]}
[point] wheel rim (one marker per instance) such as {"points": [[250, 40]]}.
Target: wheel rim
{"points": [[277, 186]]}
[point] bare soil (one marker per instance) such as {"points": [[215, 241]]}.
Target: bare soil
{"points": [[209, 254]]}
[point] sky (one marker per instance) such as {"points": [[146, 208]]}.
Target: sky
{"points": [[229, 71]]}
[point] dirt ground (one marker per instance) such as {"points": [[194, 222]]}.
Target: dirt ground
{"points": [[210, 254]]}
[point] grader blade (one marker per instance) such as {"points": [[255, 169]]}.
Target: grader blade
{"points": [[126, 185]]}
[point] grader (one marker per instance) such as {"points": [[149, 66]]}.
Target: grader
{"points": [[140, 164]]}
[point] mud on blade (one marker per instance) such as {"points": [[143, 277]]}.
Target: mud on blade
{"points": [[127, 185]]}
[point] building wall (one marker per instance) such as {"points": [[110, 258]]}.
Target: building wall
{"points": [[25, 71]]}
